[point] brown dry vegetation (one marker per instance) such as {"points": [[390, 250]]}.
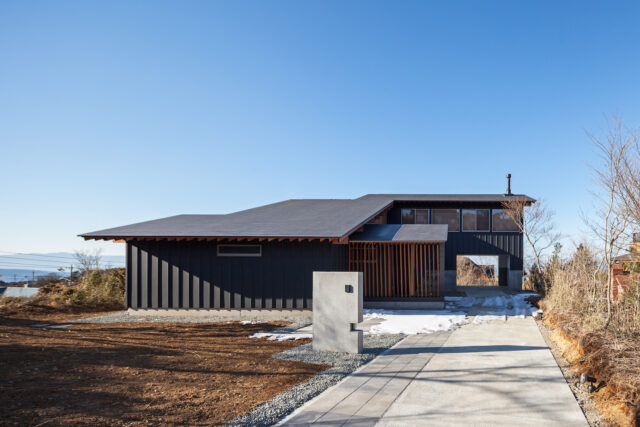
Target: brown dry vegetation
{"points": [[95, 291], [97, 287], [135, 373], [609, 408], [470, 274], [576, 306]]}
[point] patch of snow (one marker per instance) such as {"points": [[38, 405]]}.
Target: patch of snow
{"points": [[248, 322], [280, 337], [40, 325], [489, 309], [411, 322], [507, 306], [65, 325]]}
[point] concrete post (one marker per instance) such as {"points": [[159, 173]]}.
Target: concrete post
{"points": [[337, 308]]}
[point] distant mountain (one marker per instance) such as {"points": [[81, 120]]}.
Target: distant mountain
{"points": [[17, 275], [43, 263]]}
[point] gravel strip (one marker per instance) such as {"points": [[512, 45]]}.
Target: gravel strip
{"points": [[343, 364], [125, 317]]}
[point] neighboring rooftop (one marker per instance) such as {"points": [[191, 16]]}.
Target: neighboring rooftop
{"points": [[300, 218]]}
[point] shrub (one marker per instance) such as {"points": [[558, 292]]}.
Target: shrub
{"points": [[625, 321], [577, 289], [95, 288], [538, 279], [101, 287], [576, 302]]}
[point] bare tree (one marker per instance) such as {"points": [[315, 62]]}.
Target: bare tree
{"points": [[611, 221], [89, 260], [536, 224], [628, 141]]}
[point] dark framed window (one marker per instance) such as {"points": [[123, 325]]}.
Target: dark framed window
{"points": [[451, 217], [422, 216], [408, 216], [475, 220], [503, 222], [239, 250]]}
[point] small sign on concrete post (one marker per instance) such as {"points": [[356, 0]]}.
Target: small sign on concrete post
{"points": [[337, 309]]}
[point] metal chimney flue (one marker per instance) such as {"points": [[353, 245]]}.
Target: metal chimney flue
{"points": [[508, 184]]}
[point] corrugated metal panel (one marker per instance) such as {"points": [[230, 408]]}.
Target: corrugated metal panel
{"points": [[191, 275]]}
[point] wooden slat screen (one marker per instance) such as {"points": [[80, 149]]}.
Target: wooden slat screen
{"points": [[397, 270]]}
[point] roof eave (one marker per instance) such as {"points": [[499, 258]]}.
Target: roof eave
{"points": [[398, 241], [126, 238]]}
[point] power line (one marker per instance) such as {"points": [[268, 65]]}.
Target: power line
{"points": [[37, 265], [31, 264], [70, 257], [3, 257], [48, 258]]}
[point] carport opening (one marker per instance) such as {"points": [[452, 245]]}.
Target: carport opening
{"points": [[477, 270]]}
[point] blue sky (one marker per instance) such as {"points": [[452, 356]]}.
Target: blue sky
{"points": [[118, 112]]}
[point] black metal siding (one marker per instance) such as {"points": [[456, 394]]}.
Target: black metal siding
{"points": [[470, 243], [484, 243], [162, 274]]}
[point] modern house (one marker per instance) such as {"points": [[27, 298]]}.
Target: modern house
{"points": [[263, 258]]}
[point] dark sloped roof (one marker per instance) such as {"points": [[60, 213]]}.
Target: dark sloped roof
{"points": [[291, 218], [318, 218], [401, 233]]}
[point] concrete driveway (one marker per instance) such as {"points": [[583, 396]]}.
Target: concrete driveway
{"points": [[499, 373]]}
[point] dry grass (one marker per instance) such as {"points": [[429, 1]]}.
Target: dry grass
{"points": [[470, 274], [101, 289], [576, 305], [95, 287]]}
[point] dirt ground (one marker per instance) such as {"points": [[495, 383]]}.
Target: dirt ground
{"points": [[136, 373]]}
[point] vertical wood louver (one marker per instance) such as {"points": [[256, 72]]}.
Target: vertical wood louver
{"points": [[397, 270]]}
